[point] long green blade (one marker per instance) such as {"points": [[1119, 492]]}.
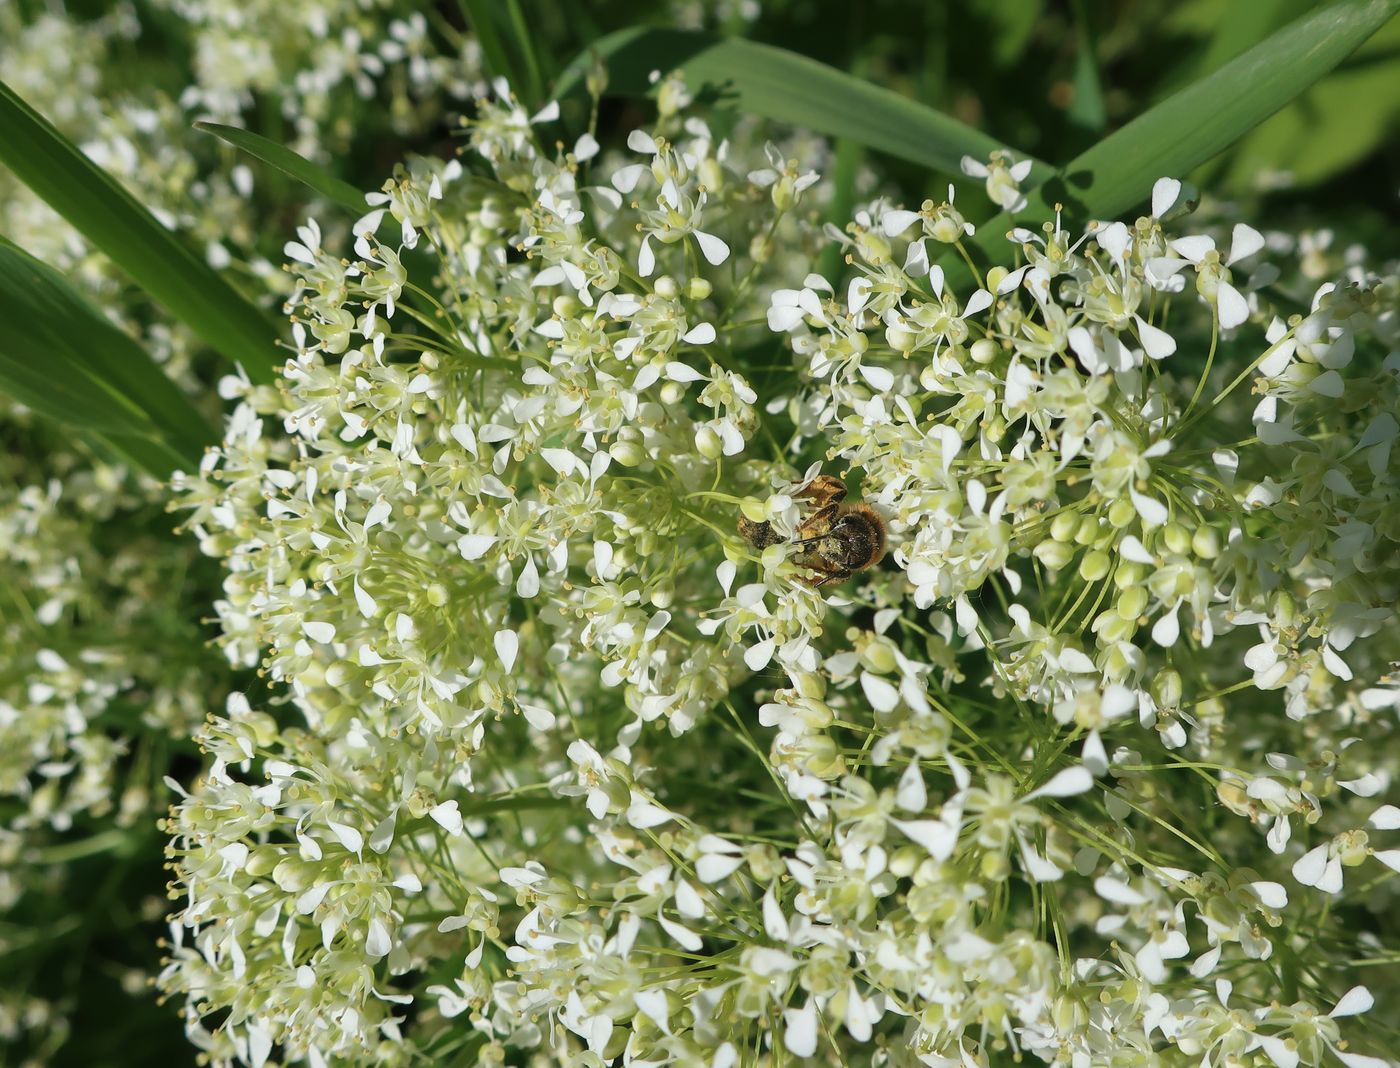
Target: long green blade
{"points": [[156, 259], [1194, 125], [522, 73], [289, 163], [60, 357], [787, 88], [1210, 115]]}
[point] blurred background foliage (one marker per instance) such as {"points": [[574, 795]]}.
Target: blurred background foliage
{"points": [[1046, 77]]}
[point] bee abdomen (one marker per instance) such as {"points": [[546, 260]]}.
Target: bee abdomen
{"points": [[863, 537]]}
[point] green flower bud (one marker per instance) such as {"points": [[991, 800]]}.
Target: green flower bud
{"points": [[1054, 554], [1132, 602], [1177, 538], [1205, 543], [1095, 565], [984, 351], [1063, 526], [1166, 688]]}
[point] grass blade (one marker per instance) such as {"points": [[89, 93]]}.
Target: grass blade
{"points": [[289, 163], [156, 259], [523, 75], [785, 87], [60, 357], [1193, 125], [1210, 115], [1086, 109]]}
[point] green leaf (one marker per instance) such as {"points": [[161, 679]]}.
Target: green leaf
{"points": [[156, 259], [289, 163], [62, 358], [1086, 109], [520, 68], [1196, 124], [785, 87], [1337, 123], [1210, 115], [1242, 25]]}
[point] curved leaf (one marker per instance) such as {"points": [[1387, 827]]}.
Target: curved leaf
{"points": [[785, 87], [156, 259], [60, 357], [1194, 125], [289, 163], [1210, 115]]}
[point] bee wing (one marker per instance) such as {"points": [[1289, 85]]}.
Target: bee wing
{"points": [[823, 490]]}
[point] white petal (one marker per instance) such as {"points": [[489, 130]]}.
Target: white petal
{"points": [[1355, 1001], [757, 656], [979, 301], [703, 334], [640, 141], [1164, 194], [507, 644], [1281, 1054], [474, 546], [1233, 308], [625, 179], [800, 1034], [1245, 242], [447, 817], [1389, 857], [1166, 630], [1361, 1060], [1193, 248], [1331, 881], [878, 377], [529, 582], [1273, 895], [712, 867], [1152, 512], [1116, 892], [377, 941], [1156, 343], [1114, 239], [350, 838], [712, 248], [774, 922], [683, 372], [894, 223], [1385, 818], [683, 936], [1067, 783], [881, 694], [911, 794], [939, 839], [319, 631], [1308, 868], [1093, 755]]}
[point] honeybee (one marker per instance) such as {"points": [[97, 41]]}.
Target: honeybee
{"points": [[835, 540]]}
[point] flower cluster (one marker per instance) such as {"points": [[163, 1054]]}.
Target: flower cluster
{"points": [[105, 671], [574, 770], [324, 61], [104, 676]]}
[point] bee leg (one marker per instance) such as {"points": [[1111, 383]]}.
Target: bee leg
{"points": [[826, 571], [839, 575], [820, 521]]}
